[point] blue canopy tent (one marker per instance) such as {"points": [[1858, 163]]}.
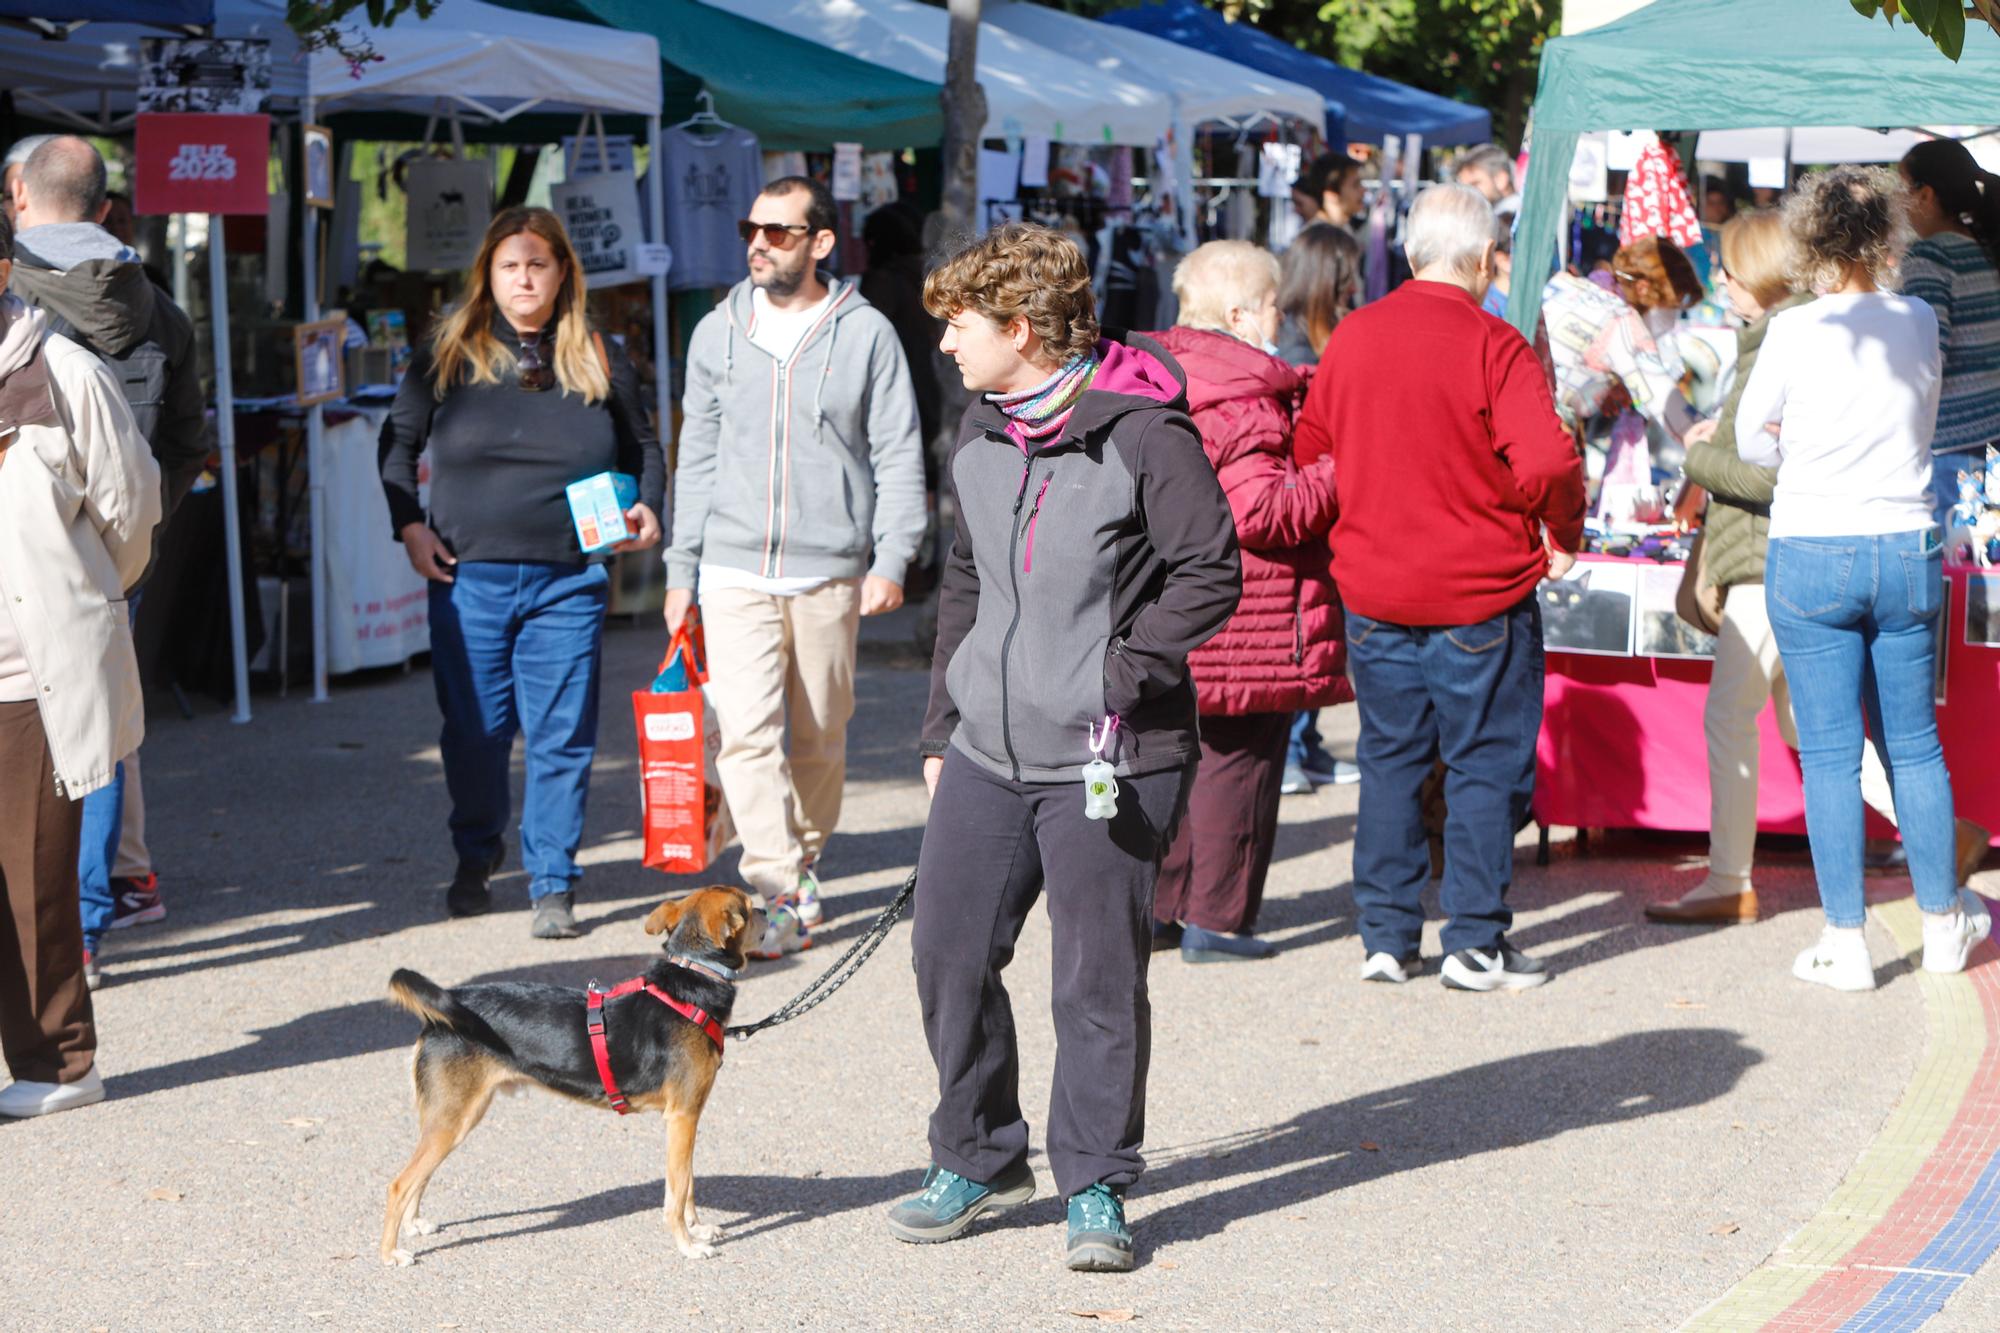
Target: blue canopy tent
{"points": [[59, 15], [1359, 107]]}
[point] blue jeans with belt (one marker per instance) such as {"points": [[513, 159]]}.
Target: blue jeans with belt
{"points": [[1471, 695], [1856, 624], [517, 647]]}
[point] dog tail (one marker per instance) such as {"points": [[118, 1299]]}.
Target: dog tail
{"points": [[426, 999]]}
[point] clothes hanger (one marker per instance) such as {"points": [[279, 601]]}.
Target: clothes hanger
{"points": [[704, 117]]}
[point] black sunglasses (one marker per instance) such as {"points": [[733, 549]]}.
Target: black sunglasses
{"points": [[531, 372], [778, 235]]}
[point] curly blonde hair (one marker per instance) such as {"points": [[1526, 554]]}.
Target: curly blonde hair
{"points": [[1654, 273], [1841, 218], [1021, 270]]}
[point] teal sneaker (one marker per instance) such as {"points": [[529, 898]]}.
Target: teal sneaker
{"points": [[949, 1203], [1099, 1240]]}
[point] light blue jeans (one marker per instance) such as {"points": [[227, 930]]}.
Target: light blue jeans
{"points": [[1856, 619]]}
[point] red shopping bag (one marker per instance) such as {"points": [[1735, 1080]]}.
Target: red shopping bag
{"points": [[686, 823]]}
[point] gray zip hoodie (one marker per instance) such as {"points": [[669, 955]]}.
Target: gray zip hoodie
{"points": [[797, 468]]}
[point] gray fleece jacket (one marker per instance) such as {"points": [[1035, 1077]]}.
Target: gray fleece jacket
{"points": [[810, 466]]}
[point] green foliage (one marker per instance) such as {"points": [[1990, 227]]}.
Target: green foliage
{"points": [[1486, 52], [1943, 21], [320, 24]]}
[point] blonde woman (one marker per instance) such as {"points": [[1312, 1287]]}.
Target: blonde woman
{"points": [[516, 398], [1757, 265], [1843, 401], [1281, 651]]}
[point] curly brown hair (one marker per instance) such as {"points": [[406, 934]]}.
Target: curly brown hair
{"points": [[1842, 218], [1653, 273], [1021, 270]]}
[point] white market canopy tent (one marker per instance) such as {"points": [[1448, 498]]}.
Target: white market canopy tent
{"points": [[471, 59], [1817, 144], [1031, 92], [489, 63], [1200, 86]]}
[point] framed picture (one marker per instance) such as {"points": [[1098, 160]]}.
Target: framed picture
{"points": [[319, 166], [1590, 609], [1662, 632], [318, 349], [1982, 610]]}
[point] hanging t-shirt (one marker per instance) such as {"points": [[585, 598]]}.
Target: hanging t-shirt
{"points": [[711, 181]]}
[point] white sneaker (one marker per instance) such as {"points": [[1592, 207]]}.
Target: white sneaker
{"points": [[22, 1099], [1387, 967], [783, 933], [1839, 960], [1950, 937], [806, 900]]}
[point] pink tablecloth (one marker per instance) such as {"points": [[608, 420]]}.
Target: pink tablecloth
{"points": [[1622, 743]]}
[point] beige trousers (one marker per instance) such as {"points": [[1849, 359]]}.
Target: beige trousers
{"points": [[1747, 672], [772, 660]]}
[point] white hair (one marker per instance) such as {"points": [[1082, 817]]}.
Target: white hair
{"points": [[23, 149], [1449, 226]]}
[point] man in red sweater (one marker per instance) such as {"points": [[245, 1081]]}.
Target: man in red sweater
{"points": [[1459, 491]]}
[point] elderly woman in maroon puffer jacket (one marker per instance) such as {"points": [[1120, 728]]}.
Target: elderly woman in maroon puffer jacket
{"points": [[1282, 650]]}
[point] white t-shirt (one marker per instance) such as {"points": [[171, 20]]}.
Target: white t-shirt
{"points": [[712, 577], [1853, 383], [778, 331]]}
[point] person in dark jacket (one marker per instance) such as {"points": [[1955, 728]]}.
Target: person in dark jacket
{"points": [[1094, 552], [517, 398], [1281, 651], [97, 294]]}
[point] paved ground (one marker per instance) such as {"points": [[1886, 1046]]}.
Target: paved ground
{"points": [[1617, 1150]]}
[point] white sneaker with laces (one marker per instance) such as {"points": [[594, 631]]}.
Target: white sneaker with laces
{"points": [[807, 899], [1839, 960], [1387, 967], [1950, 937], [783, 933], [20, 1100]]}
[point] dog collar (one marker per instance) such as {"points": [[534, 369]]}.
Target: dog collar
{"points": [[716, 970]]}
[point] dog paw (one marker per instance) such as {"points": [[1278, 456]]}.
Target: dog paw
{"points": [[705, 1232], [698, 1250], [423, 1226], [401, 1259]]}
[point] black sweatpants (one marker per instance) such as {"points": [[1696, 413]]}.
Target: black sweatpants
{"points": [[990, 847]]}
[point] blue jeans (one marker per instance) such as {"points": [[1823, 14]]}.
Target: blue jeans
{"points": [[517, 647], [1306, 748], [97, 853], [1471, 695], [1855, 619]]}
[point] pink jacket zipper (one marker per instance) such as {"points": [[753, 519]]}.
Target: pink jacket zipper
{"points": [[1028, 557]]}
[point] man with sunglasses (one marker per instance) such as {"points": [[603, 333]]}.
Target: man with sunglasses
{"points": [[798, 505]]}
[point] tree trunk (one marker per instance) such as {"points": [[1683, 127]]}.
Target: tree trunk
{"points": [[964, 121]]}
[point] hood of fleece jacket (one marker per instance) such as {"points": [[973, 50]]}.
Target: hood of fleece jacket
{"points": [[1131, 376], [740, 311], [83, 273]]}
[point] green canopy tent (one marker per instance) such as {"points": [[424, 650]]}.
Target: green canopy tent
{"points": [[791, 93], [1680, 65]]}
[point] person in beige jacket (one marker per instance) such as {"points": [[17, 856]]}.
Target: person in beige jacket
{"points": [[79, 498]]}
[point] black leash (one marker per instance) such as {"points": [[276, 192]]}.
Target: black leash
{"points": [[833, 978]]}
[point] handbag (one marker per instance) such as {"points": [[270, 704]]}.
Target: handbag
{"points": [[1698, 601]]}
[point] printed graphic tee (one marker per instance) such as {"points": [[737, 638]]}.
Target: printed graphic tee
{"points": [[711, 181]]}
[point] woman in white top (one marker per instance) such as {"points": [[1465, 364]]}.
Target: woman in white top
{"points": [[1843, 401]]}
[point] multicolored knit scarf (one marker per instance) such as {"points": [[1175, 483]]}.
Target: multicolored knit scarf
{"points": [[1038, 415]]}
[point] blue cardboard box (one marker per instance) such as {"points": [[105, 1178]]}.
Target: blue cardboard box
{"points": [[597, 505]]}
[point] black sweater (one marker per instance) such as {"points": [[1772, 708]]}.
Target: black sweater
{"points": [[502, 457]]}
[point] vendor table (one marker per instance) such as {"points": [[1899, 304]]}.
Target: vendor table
{"points": [[1622, 743]]}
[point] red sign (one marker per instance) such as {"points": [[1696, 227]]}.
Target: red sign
{"points": [[203, 164]]}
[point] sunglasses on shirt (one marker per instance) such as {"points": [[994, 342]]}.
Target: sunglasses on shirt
{"points": [[777, 235], [531, 371]]}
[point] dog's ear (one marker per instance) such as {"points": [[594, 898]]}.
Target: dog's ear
{"points": [[666, 916]]}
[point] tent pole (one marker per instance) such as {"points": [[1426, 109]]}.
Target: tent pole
{"points": [[315, 450], [225, 434], [662, 355]]}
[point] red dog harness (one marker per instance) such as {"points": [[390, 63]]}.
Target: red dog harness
{"points": [[600, 1049]]}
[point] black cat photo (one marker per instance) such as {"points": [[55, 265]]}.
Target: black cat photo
{"points": [[1588, 611]]}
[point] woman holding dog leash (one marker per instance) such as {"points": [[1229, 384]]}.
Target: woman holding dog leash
{"points": [[517, 398], [1095, 551]]}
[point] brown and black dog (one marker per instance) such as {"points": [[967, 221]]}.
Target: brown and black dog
{"points": [[480, 1039]]}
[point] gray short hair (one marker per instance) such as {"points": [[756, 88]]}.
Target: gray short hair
{"points": [[65, 177], [1449, 225], [21, 150]]}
